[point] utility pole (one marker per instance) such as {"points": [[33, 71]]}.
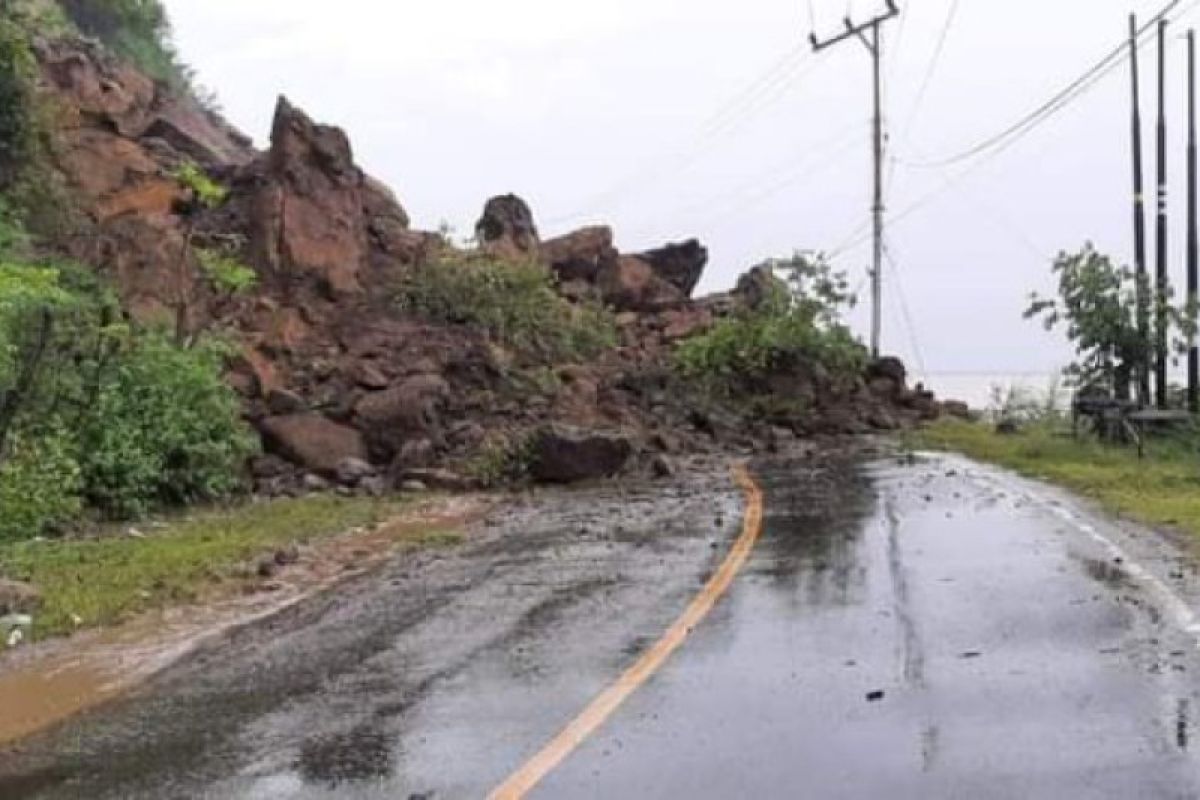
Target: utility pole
{"points": [[1193, 247], [868, 34], [1160, 299], [1139, 226]]}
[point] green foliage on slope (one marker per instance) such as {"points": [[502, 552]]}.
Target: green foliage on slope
{"points": [[798, 322], [16, 100], [98, 414], [514, 303], [138, 30]]}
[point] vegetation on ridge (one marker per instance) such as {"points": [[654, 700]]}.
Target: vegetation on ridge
{"points": [[797, 322], [99, 414], [514, 303]]}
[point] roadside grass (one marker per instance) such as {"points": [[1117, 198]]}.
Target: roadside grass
{"points": [[1163, 489], [105, 580]]}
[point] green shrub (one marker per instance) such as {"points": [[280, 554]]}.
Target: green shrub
{"points": [[165, 430], [500, 460], [225, 272], [512, 302], [138, 30], [39, 484], [797, 324], [17, 67]]}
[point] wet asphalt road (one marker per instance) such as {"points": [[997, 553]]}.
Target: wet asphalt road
{"points": [[923, 629]]}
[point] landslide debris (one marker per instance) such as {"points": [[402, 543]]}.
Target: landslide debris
{"points": [[345, 382]]}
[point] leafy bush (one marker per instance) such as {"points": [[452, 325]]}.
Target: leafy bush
{"points": [[513, 302], [227, 274], [798, 322], [500, 460], [138, 30], [165, 430], [39, 484], [16, 100], [95, 413], [207, 192]]}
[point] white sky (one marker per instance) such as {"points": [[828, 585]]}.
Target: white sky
{"points": [[634, 113]]}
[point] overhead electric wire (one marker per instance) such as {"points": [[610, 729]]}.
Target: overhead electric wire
{"points": [[857, 236], [905, 311], [1073, 90], [763, 92], [812, 160], [931, 68]]}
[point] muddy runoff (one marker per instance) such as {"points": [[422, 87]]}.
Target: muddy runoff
{"points": [[49, 682]]}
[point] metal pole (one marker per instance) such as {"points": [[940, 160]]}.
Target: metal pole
{"points": [[1160, 299], [1193, 247], [877, 208], [1139, 226]]}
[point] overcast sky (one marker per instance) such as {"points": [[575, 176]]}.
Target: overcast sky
{"points": [[636, 113]]}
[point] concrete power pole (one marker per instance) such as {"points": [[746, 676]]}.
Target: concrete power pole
{"points": [[868, 34]]}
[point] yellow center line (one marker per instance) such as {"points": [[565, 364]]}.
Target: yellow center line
{"points": [[521, 782]]}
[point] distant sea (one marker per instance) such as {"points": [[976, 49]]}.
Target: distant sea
{"points": [[976, 388]]}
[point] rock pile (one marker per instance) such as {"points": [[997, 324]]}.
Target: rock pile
{"points": [[346, 388]]}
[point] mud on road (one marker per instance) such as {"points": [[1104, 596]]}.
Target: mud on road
{"points": [[356, 688], [906, 627]]}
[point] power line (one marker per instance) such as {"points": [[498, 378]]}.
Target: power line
{"points": [[857, 236], [1073, 90], [904, 308], [756, 97], [813, 161], [931, 69]]}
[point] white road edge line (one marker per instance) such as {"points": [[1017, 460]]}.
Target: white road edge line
{"points": [[1183, 614]]}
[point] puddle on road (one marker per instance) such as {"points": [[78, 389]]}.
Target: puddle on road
{"points": [[50, 682]]}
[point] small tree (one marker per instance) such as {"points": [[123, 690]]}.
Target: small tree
{"points": [[1097, 302], [797, 318]]}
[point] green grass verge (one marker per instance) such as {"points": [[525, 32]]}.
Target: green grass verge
{"points": [[105, 580], [1163, 489]]}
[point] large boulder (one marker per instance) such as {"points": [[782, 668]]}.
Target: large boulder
{"points": [[388, 223], [312, 441], [758, 286], [680, 265], [578, 256], [18, 598], [628, 283], [562, 454], [507, 230], [308, 218], [94, 86], [95, 92], [409, 410], [890, 368]]}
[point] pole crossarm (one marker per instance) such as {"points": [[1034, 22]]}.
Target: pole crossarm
{"points": [[856, 30]]}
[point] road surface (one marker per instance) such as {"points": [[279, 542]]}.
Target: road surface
{"points": [[917, 628]]}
